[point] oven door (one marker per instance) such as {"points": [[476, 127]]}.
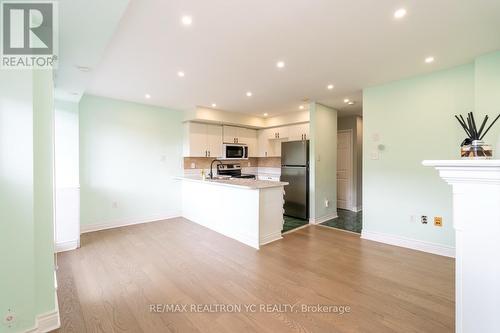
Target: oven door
{"points": [[235, 152]]}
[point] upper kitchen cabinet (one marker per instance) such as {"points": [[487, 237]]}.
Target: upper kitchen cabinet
{"points": [[278, 133], [248, 136], [298, 132], [266, 146], [233, 134], [202, 140]]}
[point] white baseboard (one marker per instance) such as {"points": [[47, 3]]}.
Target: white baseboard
{"points": [[270, 238], [47, 322], [322, 219], [123, 223], [66, 246], [409, 243]]}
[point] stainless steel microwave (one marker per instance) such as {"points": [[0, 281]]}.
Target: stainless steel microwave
{"points": [[234, 151]]}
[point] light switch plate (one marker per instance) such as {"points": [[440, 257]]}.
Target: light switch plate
{"points": [[375, 155]]}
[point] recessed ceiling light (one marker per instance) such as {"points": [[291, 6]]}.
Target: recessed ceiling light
{"points": [[280, 64], [346, 100], [330, 86], [249, 94], [301, 107], [187, 20], [400, 13], [214, 105], [265, 114], [83, 68], [350, 102], [148, 96], [428, 60], [180, 74]]}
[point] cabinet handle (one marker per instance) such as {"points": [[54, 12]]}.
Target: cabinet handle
{"points": [[209, 153], [206, 155]]}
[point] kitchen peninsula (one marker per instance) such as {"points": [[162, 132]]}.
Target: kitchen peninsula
{"points": [[247, 210]]}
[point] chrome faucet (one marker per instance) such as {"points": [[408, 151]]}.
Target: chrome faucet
{"points": [[211, 174]]}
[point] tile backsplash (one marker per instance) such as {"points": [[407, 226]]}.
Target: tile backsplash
{"points": [[204, 162]]}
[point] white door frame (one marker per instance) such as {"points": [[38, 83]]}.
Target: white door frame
{"points": [[350, 173]]}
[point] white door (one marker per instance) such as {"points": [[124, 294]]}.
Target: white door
{"points": [[344, 169]]}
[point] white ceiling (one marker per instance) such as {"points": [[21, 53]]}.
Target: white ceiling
{"points": [[233, 46], [85, 29]]}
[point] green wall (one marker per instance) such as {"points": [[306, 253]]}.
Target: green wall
{"points": [[26, 192], [323, 161], [414, 121], [129, 154]]}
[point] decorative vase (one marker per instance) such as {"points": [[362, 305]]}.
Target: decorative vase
{"points": [[476, 150]]}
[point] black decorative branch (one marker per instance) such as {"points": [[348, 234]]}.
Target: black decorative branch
{"points": [[470, 127]]}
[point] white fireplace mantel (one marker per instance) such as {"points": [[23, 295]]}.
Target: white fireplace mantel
{"points": [[476, 220]]}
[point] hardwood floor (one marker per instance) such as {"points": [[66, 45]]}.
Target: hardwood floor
{"points": [[109, 283]]}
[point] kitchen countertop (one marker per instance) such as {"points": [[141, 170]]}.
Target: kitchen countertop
{"points": [[251, 184]]}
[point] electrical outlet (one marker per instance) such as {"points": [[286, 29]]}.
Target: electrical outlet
{"points": [[412, 219], [327, 203], [114, 204], [438, 221], [423, 219], [193, 165]]}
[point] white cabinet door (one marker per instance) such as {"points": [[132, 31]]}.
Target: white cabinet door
{"points": [[249, 137], [298, 132], [264, 142], [230, 134], [197, 140], [305, 129], [214, 140], [282, 132]]}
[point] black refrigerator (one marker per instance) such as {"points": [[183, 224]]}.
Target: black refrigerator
{"points": [[295, 171]]}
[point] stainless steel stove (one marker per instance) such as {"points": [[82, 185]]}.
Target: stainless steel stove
{"points": [[233, 170]]}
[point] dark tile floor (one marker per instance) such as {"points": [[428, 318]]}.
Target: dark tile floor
{"points": [[292, 223], [347, 220]]}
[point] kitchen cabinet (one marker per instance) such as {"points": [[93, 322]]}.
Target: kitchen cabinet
{"points": [[202, 140], [248, 136], [278, 133], [266, 146], [241, 135], [231, 134], [298, 132]]}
